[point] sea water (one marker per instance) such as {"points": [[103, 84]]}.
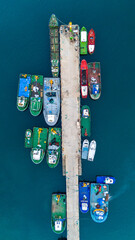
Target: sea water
{"points": [[25, 189]]}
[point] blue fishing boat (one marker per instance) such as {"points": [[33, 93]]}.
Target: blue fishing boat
{"points": [[84, 196], [105, 179], [99, 196], [85, 149]]}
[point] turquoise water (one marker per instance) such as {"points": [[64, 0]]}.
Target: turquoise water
{"points": [[25, 190]]}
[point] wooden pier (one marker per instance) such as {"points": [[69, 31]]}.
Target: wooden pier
{"points": [[71, 131]]}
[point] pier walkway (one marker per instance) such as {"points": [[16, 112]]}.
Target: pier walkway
{"points": [[71, 131]]}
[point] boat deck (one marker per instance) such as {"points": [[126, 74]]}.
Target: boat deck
{"points": [[40, 137], [59, 206], [71, 131], [94, 73], [36, 86]]}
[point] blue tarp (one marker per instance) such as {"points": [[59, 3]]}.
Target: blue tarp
{"points": [[95, 89], [24, 87]]}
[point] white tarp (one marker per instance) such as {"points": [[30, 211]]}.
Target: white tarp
{"points": [[83, 36]]}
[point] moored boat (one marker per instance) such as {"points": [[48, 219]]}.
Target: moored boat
{"points": [[85, 149], [28, 138], [58, 219], [94, 80], [84, 196], [39, 144], [84, 78], [36, 99], [23, 94], [91, 41], [51, 103], [105, 179], [54, 45], [53, 147], [83, 41], [37, 141], [92, 150], [99, 197], [85, 121]]}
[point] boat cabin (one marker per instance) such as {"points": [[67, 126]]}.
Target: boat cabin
{"points": [[21, 101], [84, 206], [58, 225], [52, 159], [85, 113], [36, 154]]}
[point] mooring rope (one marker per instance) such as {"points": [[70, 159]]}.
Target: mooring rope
{"points": [[61, 21]]}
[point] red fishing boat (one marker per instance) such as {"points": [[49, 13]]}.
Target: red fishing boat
{"points": [[91, 41], [84, 78]]}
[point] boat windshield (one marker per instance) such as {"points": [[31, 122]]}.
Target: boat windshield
{"points": [[91, 37], [51, 94], [84, 82]]}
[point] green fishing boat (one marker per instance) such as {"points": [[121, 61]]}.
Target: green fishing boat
{"points": [[54, 45], [53, 147], [85, 121], [28, 138], [83, 41], [36, 99], [58, 219], [23, 94], [39, 144], [37, 141]]}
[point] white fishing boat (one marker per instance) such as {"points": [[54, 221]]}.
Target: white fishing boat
{"points": [[92, 150]]}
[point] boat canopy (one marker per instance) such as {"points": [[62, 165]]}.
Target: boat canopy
{"points": [[24, 87], [83, 36]]}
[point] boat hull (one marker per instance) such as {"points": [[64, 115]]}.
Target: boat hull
{"points": [[91, 41], [23, 94], [94, 80], [92, 151], [36, 99], [53, 147], [105, 179], [37, 141], [58, 218], [84, 78], [28, 138], [85, 122], [84, 196], [85, 149], [51, 102], [99, 195], [54, 45], [83, 41]]}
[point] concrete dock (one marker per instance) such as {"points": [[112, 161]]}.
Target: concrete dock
{"points": [[71, 131]]}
